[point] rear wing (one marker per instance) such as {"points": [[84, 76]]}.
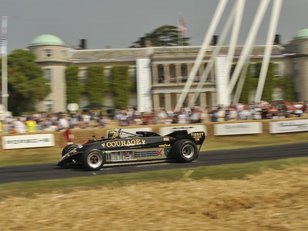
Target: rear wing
{"points": [[197, 137]]}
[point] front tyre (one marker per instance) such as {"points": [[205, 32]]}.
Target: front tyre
{"points": [[68, 148], [185, 151], [93, 160]]}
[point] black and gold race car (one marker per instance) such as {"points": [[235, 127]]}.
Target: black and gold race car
{"points": [[120, 146]]}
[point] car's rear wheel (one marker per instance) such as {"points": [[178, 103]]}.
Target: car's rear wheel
{"points": [[185, 151], [93, 160]]}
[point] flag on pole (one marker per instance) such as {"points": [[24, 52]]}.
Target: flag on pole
{"points": [[181, 24]]}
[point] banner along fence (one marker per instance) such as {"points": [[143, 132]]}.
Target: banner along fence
{"points": [[234, 128]]}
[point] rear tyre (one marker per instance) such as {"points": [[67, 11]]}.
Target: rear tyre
{"points": [[93, 160], [185, 151]]}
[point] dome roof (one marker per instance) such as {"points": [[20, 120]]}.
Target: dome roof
{"points": [[47, 39], [302, 34]]}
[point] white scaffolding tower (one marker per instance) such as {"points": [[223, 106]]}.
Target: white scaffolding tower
{"points": [[225, 93]]}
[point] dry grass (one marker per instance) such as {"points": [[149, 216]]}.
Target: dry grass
{"points": [[273, 200]]}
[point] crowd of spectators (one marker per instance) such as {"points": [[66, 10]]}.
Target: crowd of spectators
{"points": [[52, 122], [62, 121]]}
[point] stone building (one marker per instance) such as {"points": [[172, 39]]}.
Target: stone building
{"points": [[168, 69], [296, 66]]}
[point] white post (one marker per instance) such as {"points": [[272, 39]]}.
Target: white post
{"points": [[236, 13], [248, 44], [234, 35], [4, 62], [268, 48], [219, 10]]}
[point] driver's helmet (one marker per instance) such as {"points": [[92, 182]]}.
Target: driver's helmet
{"points": [[113, 134]]}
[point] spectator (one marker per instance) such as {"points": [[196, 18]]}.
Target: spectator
{"points": [[196, 115], [31, 124], [214, 116], [233, 113], [124, 119], [63, 123], [162, 116], [220, 114], [182, 117], [1, 126], [20, 127], [298, 109]]}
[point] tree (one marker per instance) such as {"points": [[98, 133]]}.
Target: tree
{"points": [[26, 83], [121, 86], [73, 86], [96, 85], [166, 35]]}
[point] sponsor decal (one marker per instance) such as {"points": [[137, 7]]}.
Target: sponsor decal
{"points": [[166, 139], [164, 145], [122, 143], [197, 135], [119, 156], [160, 151], [153, 153]]}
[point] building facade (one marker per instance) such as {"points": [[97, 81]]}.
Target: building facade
{"points": [[168, 67]]}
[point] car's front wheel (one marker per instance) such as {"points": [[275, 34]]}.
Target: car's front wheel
{"points": [[68, 148], [185, 151], [93, 160]]}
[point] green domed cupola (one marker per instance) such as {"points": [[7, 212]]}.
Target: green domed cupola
{"points": [[47, 39], [302, 34]]}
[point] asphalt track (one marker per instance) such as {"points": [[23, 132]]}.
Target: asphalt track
{"points": [[207, 158]]}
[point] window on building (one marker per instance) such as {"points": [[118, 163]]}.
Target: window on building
{"points": [[48, 105], [47, 52], [107, 73], [161, 100], [277, 94], [210, 76], [48, 74], [251, 96], [161, 73], [184, 72], [253, 70], [172, 73], [197, 76], [277, 69], [133, 76], [83, 76]]}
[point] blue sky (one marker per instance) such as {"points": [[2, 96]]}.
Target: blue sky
{"points": [[118, 23]]}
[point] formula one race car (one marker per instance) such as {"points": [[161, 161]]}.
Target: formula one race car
{"points": [[122, 146]]}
